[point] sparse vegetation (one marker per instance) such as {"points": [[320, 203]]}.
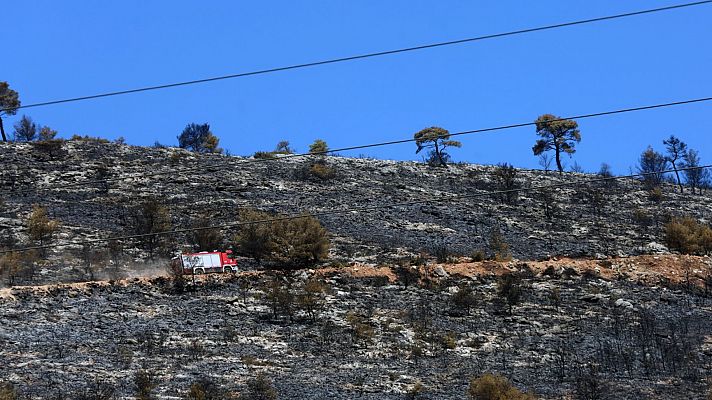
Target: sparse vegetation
{"points": [[259, 388], [495, 387], [145, 381], [464, 299], [207, 389], [7, 389]]}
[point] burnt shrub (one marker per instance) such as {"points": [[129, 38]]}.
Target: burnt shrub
{"points": [[145, 382], [207, 389], [259, 388], [509, 289], [463, 300]]}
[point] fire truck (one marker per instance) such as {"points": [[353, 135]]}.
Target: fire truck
{"points": [[205, 262]]}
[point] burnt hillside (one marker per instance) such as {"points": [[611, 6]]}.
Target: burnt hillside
{"points": [[613, 218]]}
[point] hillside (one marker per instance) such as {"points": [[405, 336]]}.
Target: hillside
{"points": [[592, 303], [611, 218]]}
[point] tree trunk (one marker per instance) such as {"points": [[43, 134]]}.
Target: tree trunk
{"points": [[2, 130], [440, 157], [558, 160], [677, 175]]}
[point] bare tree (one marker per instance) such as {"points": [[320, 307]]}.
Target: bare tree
{"points": [[676, 150]]}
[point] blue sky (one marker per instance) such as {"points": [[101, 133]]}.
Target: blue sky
{"points": [[72, 48]]}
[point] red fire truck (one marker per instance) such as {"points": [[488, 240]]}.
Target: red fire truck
{"points": [[206, 261]]}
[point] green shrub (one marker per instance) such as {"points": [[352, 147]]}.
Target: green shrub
{"points": [[319, 146], [688, 236], [495, 387], [322, 171], [288, 241], [299, 240]]}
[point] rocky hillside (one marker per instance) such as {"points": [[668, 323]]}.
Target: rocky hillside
{"points": [[575, 331], [592, 306], [615, 218]]}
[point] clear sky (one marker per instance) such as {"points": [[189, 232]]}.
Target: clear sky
{"points": [[56, 49]]}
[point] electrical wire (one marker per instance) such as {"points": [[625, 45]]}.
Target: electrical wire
{"points": [[351, 210], [361, 56], [208, 167]]}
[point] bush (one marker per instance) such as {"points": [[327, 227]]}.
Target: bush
{"points": [[322, 171], [464, 299], [655, 195], [199, 138], [39, 226], [319, 146], [509, 288], [688, 236], [505, 175], [259, 388], [289, 241], [315, 170], [360, 327], [299, 240], [495, 387], [87, 138], [311, 300], [263, 155], [145, 382], [50, 148], [7, 391], [478, 256], [498, 246], [280, 298], [206, 389]]}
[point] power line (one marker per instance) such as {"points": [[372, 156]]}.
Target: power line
{"points": [[352, 210], [364, 56], [365, 146]]}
